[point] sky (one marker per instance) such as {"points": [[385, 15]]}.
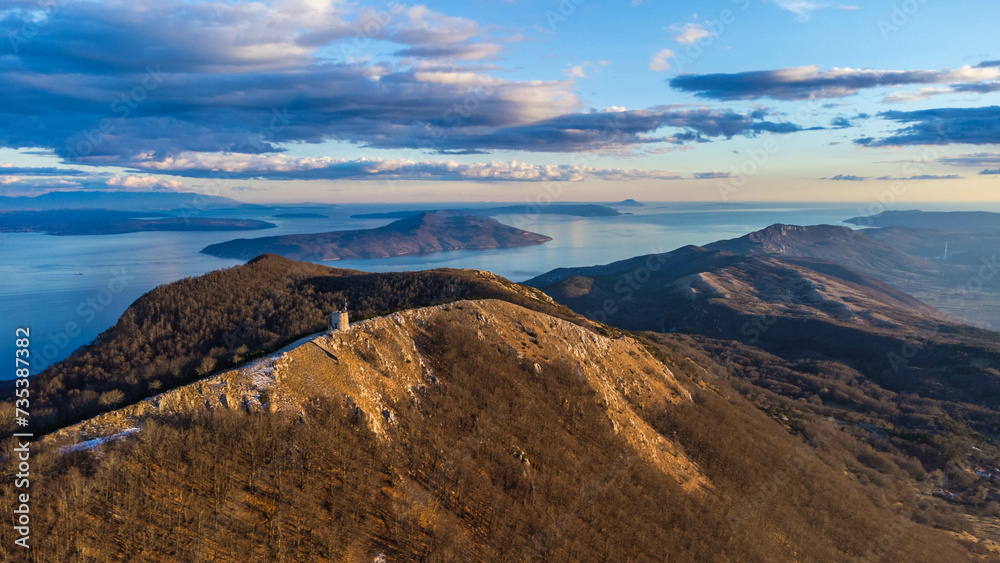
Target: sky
{"points": [[514, 100]]}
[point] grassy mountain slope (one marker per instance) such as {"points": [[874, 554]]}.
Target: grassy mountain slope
{"points": [[473, 431]]}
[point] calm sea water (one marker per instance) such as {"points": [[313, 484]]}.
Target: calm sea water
{"points": [[68, 290]]}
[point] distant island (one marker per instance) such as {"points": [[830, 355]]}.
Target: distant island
{"points": [[573, 209], [629, 203], [956, 221], [300, 216], [418, 234], [128, 201], [69, 222]]}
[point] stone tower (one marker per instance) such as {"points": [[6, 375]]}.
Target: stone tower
{"points": [[338, 320]]}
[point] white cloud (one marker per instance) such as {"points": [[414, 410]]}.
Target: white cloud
{"points": [[689, 33], [922, 94], [659, 62], [143, 182], [283, 167], [801, 8]]}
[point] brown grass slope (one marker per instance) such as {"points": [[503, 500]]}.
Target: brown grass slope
{"points": [[473, 431]]}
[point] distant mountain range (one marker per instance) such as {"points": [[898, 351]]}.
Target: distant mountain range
{"points": [[128, 201], [419, 234], [109, 222]]}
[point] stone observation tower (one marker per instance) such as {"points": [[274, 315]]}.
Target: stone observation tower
{"points": [[338, 319]]}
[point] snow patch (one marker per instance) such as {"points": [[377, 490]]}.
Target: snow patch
{"points": [[91, 444]]}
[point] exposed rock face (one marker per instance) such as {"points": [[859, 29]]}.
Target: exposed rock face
{"points": [[380, 362]]}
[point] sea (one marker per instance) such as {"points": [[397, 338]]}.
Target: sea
{"points": [[68, 289]]}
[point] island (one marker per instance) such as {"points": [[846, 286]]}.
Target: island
{"points": [[955, 221], [418, 234], [572, 209], [300, 216], [629, 203], [69, 222], [131, 201]]}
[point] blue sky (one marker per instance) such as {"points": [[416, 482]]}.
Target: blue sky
{"points": [[319, 100]]}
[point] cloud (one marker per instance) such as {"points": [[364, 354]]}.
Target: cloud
{"points": [[688, 33], [848, 7], [460, 51], [255, 78], [973, 160], [713, 175], [942, 126], [801, 8], [926, 93], [990, 171], [143, 183], [9, 168], [922, 177], [847, 178], [660, 62], [922, 94], [580, 70], [809, 82], [282, 167], [852, 178]]}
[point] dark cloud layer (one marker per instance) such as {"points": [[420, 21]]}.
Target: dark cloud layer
{"points": [[809, 82], [942, 126]]}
